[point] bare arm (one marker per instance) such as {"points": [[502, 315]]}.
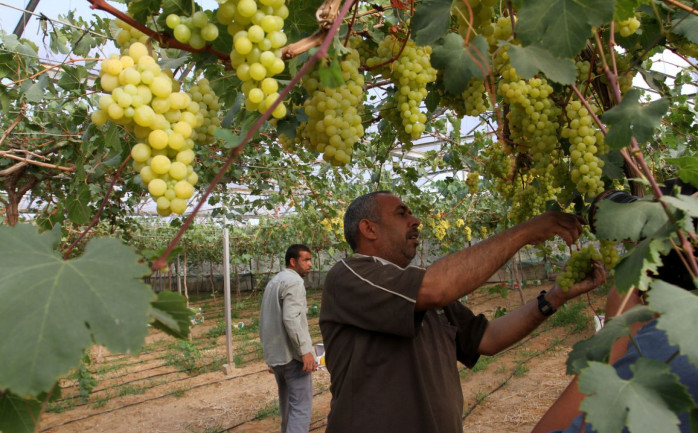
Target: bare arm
{"points": [[458, 274], [510, 328], [566, 408]]}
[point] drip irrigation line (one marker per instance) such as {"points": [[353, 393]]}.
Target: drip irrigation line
{"points": [[120, 385], [255, 418], [501, 385], [150, 399], [132, 364], [150, 377], [324, 420]]}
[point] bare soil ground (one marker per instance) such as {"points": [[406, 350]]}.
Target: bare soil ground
{"points": [[151, 393]]}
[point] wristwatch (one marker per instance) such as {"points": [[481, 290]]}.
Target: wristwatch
{"points": [[544, 306]]}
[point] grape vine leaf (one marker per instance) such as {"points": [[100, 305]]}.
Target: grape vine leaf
{"points": [[431, 20], [17, 414], [688, 168], [170, 314], [632, 221], [598, 347], [686, 25], [460, 63], [331, 73], [528, 61], [77, 205], [631, 119], [230, 139], [561, 26], [51, 309], [141, 10], [646, 403], [301, 19], [72, 77], [678, 310], [626, 8], [613, 165], [36, 91], [645, 258], [686, 203], [167, 62]]}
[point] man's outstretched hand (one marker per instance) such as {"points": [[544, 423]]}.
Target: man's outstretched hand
{"points": [[594, 279]]}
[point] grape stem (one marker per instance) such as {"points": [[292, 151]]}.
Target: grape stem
{"points": [[160, 37], [161, 262], [95, 220], [682, 6], [326, 16]]}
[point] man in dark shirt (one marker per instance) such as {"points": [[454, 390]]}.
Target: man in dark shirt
{"points": [[393, 332]]}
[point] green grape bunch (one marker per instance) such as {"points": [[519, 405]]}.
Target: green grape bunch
{"points": [[479, 21], [196, 30], [257, 30], [127, 35], [627, 27], [609, 253], [410, 73], [578, 267], [334, 114], [586, 145], [145, 100], [473, 181]]}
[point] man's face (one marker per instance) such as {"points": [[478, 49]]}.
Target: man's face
{"points": [[397, 230], [303, 264]]}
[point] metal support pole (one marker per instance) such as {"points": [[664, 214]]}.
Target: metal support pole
{"points": [[227, 368], [19, 29], [179, 278]]}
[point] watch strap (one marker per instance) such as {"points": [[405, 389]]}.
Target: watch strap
{"points": [[544, 306]]}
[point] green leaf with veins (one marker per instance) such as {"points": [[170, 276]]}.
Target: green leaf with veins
{"points": [[51, 309], [72, 77], [686, 25], [431, 20], [628, 221], [646, 403], [170, 314], [632, 119], [678, 309], [561, 26], [688, 168], [458, 63], [646, 257], [21, 415], [530, 60], [18, 415], [141, 10], [686, 203], [301, 20], [626, 8], [77, 205], [598, 347], [331, 74]]}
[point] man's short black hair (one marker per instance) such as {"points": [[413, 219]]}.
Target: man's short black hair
{"points": [[294, 252], [364, 207]]}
